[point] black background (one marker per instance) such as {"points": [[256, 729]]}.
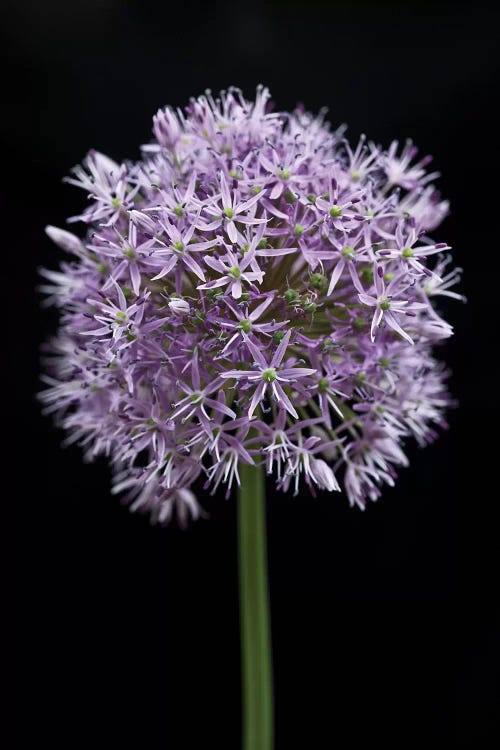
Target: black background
{"points": [[383, 621]]}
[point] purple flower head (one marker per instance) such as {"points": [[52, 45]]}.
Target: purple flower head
{"points": [[253, 290]]}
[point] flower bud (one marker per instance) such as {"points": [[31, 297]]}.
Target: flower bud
{"points": [[179, 306], [324, 475]]}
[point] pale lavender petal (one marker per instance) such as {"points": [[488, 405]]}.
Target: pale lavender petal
{"points": [[283, 399], [256, 398], [193, 266], [255, 352], [255, 315], [166, 268], [337, 273], [280, 351]]}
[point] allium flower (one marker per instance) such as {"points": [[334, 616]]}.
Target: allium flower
{"points": [[252, 291]]}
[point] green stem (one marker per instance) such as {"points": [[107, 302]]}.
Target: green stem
{"points": [[254, 611]]}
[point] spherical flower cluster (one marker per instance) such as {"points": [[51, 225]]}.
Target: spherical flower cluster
{"points": [[252, 291]]}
